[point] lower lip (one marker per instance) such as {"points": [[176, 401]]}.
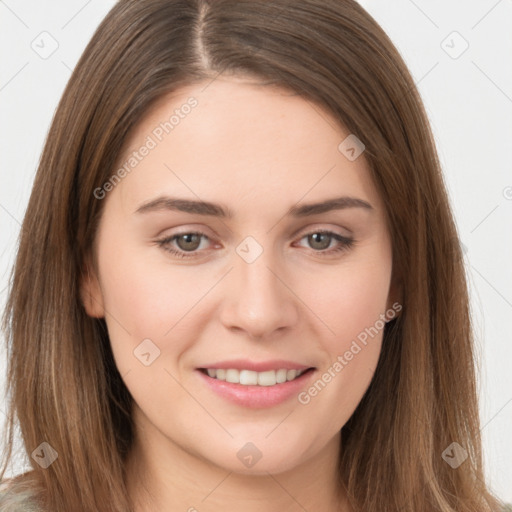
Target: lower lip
{"points": [[257, 397]]}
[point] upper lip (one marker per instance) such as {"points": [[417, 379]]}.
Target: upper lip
{"points": [[256, 366]]}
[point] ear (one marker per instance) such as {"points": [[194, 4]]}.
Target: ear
{"points": [[90, 292]]}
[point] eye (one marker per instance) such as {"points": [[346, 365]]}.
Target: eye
{"points": [[320, 240], [187, 244]]}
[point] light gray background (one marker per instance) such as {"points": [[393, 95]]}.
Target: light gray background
{"points": [[469, 102]]}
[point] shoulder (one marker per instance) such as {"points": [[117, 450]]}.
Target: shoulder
{"points": [[14, 499]]}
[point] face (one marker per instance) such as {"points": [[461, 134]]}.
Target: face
{"points": [[247, 328]]}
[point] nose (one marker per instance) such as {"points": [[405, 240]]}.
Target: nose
{"points": [[258, 300]]}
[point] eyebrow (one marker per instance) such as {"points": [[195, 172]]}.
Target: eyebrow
{"points": [[216, 210]]}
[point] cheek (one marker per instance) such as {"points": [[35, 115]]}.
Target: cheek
{"points": [[349, 301], [357, 324], [145, 301]]}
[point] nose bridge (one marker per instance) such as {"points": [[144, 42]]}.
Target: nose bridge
{"points": [[258, 302]]}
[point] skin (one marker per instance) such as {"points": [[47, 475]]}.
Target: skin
{"points": [[258, 151]]}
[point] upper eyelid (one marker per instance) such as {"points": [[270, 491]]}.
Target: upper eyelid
{"points": [[304, 231]]}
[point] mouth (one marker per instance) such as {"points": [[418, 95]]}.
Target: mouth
{"points": [[256, 384], [253, 378]]}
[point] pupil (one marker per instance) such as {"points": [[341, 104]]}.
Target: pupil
{"points": [[315, 237], [190, 238]]}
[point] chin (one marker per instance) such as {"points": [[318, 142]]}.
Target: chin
{"points": [[258, 458]]}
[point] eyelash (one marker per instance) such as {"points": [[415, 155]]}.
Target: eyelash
{"points": [[346, 243]]}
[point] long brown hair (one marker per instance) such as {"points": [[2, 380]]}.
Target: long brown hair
{"points": [[63, 384]]}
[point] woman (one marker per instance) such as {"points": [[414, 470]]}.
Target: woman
{"points": [[178, 341]]}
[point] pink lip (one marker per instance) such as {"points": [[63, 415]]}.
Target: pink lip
{"points": [[262, 366], [257, 397]]}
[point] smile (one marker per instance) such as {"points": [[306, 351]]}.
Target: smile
{"points": [[252, 378]]}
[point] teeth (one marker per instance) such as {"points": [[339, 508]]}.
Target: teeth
{"points": [[232, 376], [250, 378], [281, 376], [267, 378]]}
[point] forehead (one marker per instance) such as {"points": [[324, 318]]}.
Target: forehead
{"points": [[232, 140]]}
